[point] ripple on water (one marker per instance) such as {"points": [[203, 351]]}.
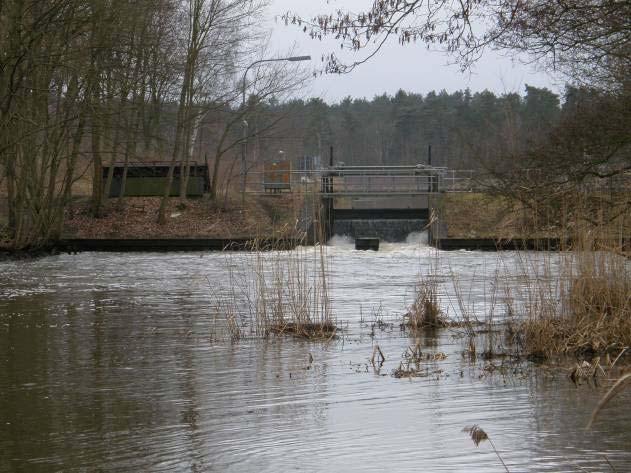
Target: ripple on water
{"points": [[129, 379]]}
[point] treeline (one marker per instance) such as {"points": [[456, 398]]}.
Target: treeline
{"points": [[465, 130], [586, 41], [87, 82], [581, 133], [537, 147]]}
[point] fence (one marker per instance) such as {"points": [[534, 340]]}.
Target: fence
{"points": [[375, 180]]}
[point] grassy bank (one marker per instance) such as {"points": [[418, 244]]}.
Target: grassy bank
{"points": [[480, 215]]}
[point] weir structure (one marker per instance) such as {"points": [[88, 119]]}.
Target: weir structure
{"points": [[386, 202]]}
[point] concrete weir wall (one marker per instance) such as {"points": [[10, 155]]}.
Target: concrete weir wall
{"points": [[385, 229], [389, 218]]}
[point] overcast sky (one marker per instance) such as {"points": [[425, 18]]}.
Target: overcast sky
{"points": [[411, 67]]}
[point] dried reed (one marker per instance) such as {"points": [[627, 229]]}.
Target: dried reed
{"points": [[272, 291], [613, 392], [425, 311], [584, 308], [478, 435]]}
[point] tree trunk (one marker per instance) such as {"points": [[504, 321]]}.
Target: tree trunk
{"points": [[11, 194], [97, 163], [130, 154], [182, 116], [66, 192]]}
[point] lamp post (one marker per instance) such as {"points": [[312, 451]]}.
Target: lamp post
{"points": [[245, 123]]}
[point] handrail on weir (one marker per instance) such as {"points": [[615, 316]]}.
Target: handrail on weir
{"points": [[363, 181], [397, 180]]}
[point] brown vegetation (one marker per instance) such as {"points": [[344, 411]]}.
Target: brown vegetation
{"points": [[572, 301], [425, 311], [585, 308], [477, 215], [478, 435], [276, 293], [485, 215], [273, 216], [321, 330]]}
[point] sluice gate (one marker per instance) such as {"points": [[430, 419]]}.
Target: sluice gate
{"points": [[385, 202]]}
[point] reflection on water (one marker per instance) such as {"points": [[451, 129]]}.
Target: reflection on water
{"points": [[106, 364]]}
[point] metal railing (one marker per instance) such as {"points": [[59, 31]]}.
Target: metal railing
{"points": [[406, 180], [358, 181]]}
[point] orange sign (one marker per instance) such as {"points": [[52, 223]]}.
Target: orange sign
{"points": [[277, 175]]}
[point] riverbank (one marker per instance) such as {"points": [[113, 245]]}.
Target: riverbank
{"points": [[478, 221], [261, 222], [28, 253], [176, 244], [471, 221], [267, 216]]}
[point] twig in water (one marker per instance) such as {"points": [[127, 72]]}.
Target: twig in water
{"points": [[609, 463], [618, 357], [613, 392]]}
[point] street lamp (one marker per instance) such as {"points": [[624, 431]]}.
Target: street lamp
{"points": [[245, 123]]}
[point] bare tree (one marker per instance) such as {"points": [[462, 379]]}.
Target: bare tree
{"points": [[68, 69], [42, 91], [270, 82], [587, 39], [88, 82], [217, 31]]}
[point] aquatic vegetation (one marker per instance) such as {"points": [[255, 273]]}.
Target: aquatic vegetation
{"points": [[425, 311], [411, 365], [378, 355], [575, 300], [276, 292], [583, 307]]}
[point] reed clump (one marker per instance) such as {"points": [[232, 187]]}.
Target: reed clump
{"points": [[425, 311], [275, 291], [583, 309]]}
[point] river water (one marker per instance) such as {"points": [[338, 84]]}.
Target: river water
{"points": [[107, 364]]}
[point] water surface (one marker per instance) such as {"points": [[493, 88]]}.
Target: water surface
{"points": [[107, 364]]}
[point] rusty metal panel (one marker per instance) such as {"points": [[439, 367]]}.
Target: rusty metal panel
{"points": [[277, 175]]}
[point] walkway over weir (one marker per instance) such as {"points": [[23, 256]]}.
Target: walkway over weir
{"points": [[388, 202], [363, 181]]}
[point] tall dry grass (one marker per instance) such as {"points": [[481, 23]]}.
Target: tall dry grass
{"points": [[271, 290], [584, 307], [575, 299], [425, 312], [578, 300]]}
